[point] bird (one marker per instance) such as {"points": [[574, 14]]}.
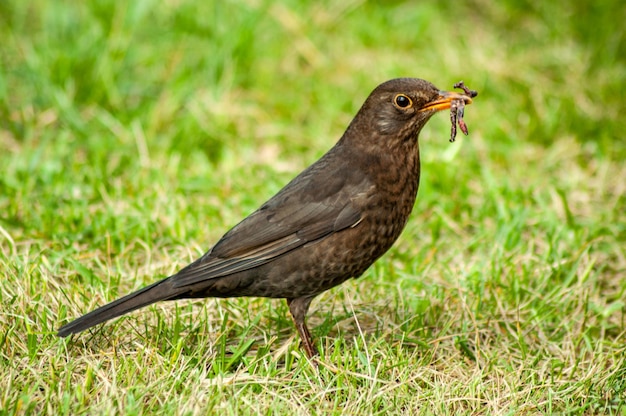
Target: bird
{"points": [[327, 225]]}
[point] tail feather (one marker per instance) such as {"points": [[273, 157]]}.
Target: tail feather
{"points": [[161, 290]]}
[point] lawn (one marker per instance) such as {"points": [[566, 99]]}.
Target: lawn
{"points": [[133, 135]]}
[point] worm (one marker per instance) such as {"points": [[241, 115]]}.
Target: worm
{"points": [[457, 110]]}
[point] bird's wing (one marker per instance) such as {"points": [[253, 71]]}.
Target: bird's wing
{"points": [[310, 207]]}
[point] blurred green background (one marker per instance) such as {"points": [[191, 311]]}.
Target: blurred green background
{"points": [[105, 96], [134, 134]]}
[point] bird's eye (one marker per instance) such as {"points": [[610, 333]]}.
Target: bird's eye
{"points": [[402, 101]]}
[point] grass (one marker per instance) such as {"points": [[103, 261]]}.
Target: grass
{"points": [[132, 136]]}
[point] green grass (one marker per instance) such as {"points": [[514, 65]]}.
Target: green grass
{"points": [[133, 136]]}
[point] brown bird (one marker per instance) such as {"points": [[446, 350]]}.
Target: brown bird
{"points": [[327, 225]]}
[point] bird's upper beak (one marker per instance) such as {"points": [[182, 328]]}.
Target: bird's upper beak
{"points": [[444, 101]]}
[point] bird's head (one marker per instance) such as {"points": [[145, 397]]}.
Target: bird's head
{"points": [[397, 109]]}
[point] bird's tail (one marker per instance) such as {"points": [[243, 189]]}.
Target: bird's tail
{"points": [[161, 290]]}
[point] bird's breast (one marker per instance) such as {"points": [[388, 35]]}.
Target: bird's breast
{"points": [[387, 208]]}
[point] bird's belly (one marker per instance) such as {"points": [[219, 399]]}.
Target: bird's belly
{"points": [[324, 263]]}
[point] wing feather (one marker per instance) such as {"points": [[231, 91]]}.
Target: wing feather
{"points": [[305, 210]]}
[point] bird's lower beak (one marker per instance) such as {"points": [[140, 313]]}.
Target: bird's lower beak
{"points": [[444, 101]]}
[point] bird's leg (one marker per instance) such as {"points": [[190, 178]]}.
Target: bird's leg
{"points": [[298, 308]]}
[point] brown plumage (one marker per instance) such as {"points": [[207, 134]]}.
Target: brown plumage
{"points": [[327, 225]]}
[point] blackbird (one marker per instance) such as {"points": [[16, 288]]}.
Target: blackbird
{"points": [[327, 225]]}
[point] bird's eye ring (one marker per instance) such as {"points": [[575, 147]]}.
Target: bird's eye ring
{"points": [[402, 101]]}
